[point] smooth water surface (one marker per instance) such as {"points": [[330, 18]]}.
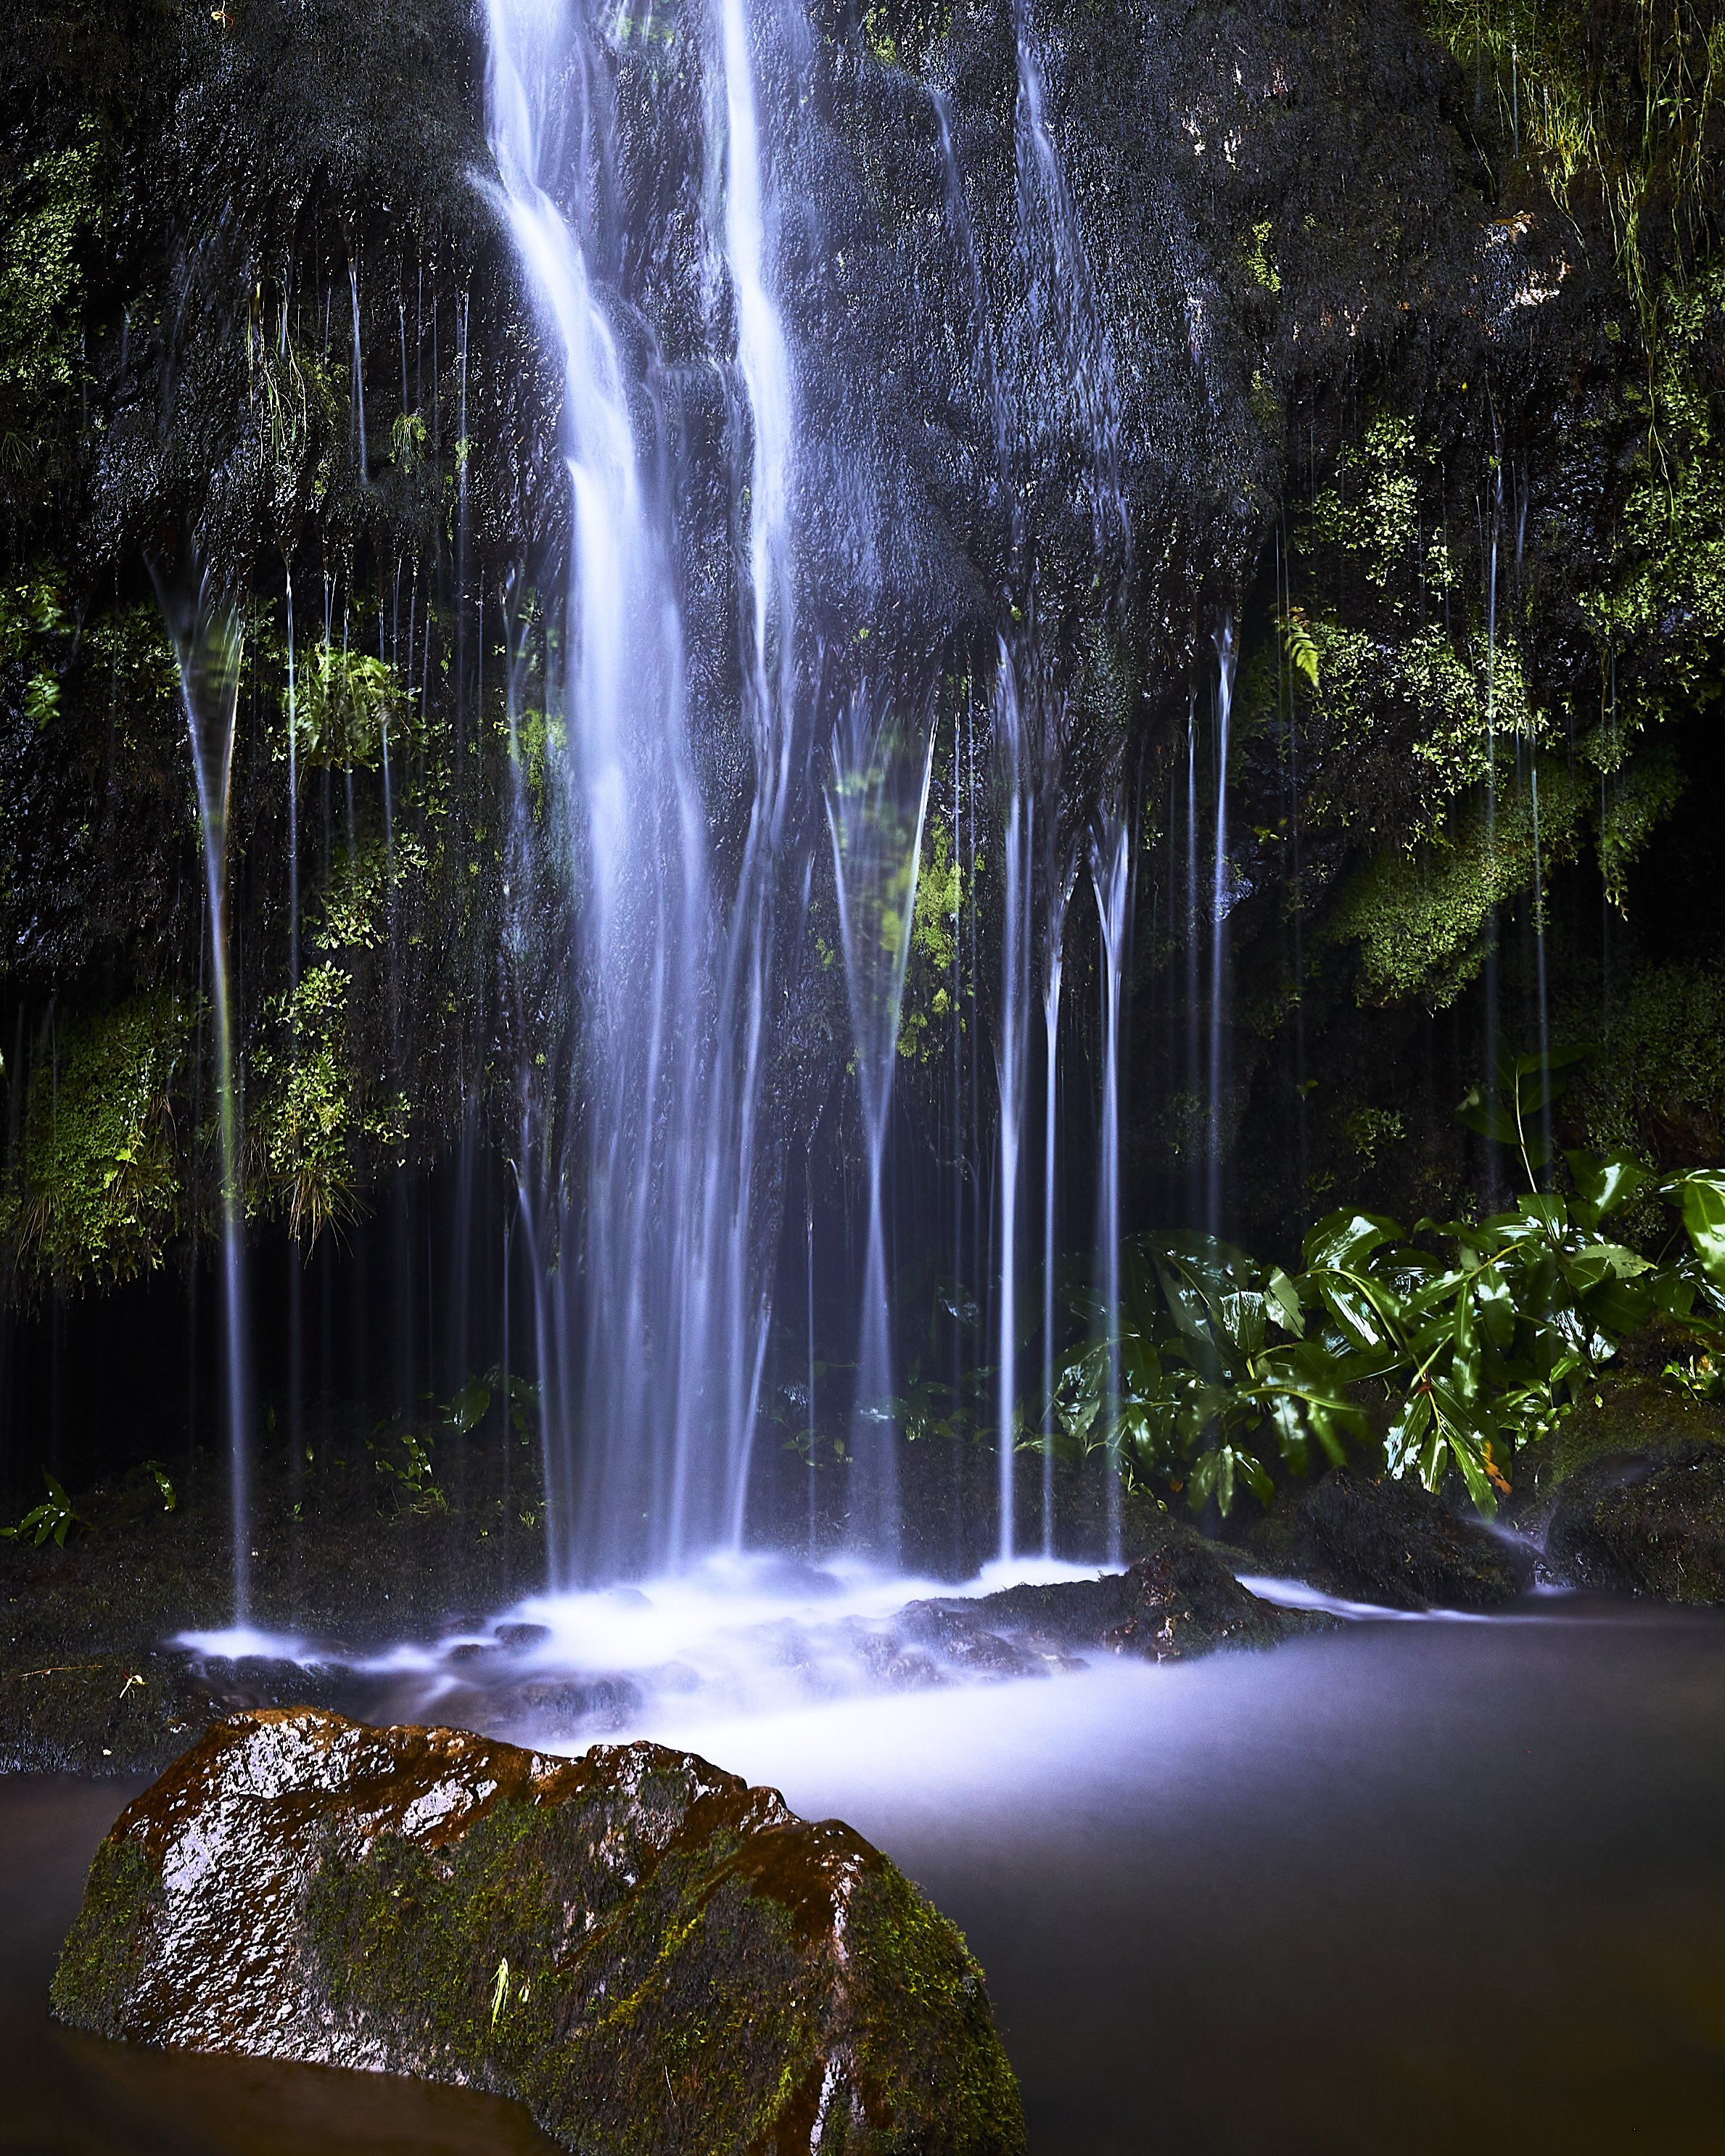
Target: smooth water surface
{"points": [[1411, 1887]]}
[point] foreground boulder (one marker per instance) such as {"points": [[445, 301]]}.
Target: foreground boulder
{"points": [[1389, 1541], [656, 1958]]}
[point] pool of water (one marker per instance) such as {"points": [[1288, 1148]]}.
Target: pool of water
{"points": [[1419, 1887]]}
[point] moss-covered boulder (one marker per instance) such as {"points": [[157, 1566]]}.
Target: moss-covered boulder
{"points": [[652, 1956], [1629, 1410], [1389, 1541], [1643, 1523]]}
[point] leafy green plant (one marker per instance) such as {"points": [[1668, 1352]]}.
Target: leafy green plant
{"points": [[1208, 1363], [1515, 1108], [1450, 1343], [153, 1470], [412, 1472], [53, 1517]]}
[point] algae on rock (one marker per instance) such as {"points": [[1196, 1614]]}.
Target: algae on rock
{"points": [[650, 1953]]}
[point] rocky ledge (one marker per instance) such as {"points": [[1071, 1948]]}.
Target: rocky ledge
{"points": [[653, 1956], [1178, 1600], [1378, 1540]]}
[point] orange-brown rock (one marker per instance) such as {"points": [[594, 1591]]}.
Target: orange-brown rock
{"points": [[651, 1954]]}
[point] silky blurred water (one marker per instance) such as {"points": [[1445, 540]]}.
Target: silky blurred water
{"points": [[1420, 1887]]}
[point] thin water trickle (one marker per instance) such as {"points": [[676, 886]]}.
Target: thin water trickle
{"points": [[1110, 865], [1062, 303], [208, 644], [877, 798], [1221, 901], [1012, 1047], [1060, 877]]}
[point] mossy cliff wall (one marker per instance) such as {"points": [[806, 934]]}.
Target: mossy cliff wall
{"points": [[1402, 349]]}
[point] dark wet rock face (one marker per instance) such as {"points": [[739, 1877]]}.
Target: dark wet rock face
{"points": [[94, 1711], [1387, 1541], [1643, 1523], [650, 1953], [1180, 1600]]}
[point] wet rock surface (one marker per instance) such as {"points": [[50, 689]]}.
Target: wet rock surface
{"points": [[107, 1712], [1180, 1600], [650, 1953], [1387, 1541], [1648, 1523]]}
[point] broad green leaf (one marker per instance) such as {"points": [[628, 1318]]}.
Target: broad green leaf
{"points": [[1289, 1423], [1469, 1453], [1616, 1307], [1343, 1240], [1603, 1185], [1331, 1426], [1546, 1209], [1285, 1305], [1486, 1114], [1465, 1363], [1703, 1202], [1496, 1308], [1243, 1315], [1535, 1080], [1407, 1432], [1594, 1262], [1367, 1310], [469, 1408]]}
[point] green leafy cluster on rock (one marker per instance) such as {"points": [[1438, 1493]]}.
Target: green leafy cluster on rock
{"points": [[1447, 1344], [308, 1109], [351, 710], [96, 1193]]}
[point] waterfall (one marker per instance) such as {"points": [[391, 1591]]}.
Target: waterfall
{"points": [[208, 650], [729, 1214], [1221, 901], [1110, 864], [1060, 876], [681, 815], [877, 798], [1011, 1057], [1062, 304], [635, 1358]]}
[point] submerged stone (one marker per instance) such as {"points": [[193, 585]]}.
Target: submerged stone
{"points": [[653, 1956]]}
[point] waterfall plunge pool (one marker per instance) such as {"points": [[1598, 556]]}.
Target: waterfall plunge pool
{"points": [[1436, 1886]]}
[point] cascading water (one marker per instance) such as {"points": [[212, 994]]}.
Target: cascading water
{"points": [[653, 1323], [1060, 876], [1110, 870], [1012, 1044], [877, 798], [1221, 901], [207, 648]]}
